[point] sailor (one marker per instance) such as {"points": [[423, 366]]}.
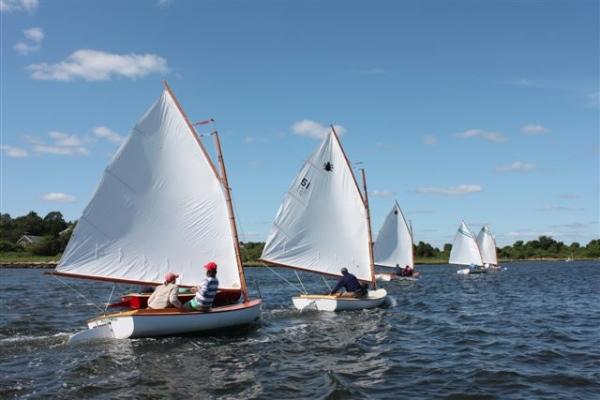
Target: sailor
{"points": [[206, 291], [408, 271], [398, 270], [351, 284], [165, 295]]}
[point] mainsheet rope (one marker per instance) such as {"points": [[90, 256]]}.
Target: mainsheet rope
{"points": [[80, 294]]}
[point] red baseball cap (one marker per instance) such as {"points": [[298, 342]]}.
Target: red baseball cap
{"points": [[211, 266], [169, 277]]}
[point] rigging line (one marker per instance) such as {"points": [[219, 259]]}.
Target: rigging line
{"points": [[283, 278], [326, 283], [110, 296], [300, 280], [78, 293]]}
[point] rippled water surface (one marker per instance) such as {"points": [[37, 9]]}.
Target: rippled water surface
{"points": [[532, 331]]}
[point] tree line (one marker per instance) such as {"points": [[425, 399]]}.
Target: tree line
{"points": [[55, 233]]}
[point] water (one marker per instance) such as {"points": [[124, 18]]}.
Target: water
{"points": [[532, 331]]}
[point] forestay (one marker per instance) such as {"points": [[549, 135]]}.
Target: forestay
{"points": [[394, 244], [159, 207], [487, 246], [321, 225], [464, 249]]}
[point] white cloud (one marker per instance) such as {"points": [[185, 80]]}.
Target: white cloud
{"points": [[593, 100], [382, 193], [570, 196], [551, 207], [33, 41], [64, 139], [315, 130], [482, 134], [164, 3], [532, 233], [517, 166], [35, 34], [94, 65], [63, 144], [15, 152], [533, 129], [103, 132], [450, 190], [26, 48], [19, 5], [429, 140], [58, 197]]}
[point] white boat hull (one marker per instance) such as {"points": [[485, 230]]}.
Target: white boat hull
{"points": [[375, 298], [169, 321], [468, 271], [385, 277]]}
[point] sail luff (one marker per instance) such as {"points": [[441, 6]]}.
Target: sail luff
{"points": [[192, 129], [337, 139], [409, 228], [236, 242], [371, 259]]}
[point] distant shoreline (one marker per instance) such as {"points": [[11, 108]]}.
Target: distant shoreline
{"points": [[254, 264]]}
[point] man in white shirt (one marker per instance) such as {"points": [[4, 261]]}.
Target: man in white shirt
{"points": [[165, 295]]}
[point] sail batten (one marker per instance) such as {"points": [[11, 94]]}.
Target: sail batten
{"points": [[394, 244], [487, 245], [159, 207], [321, 225], [464, 249]]}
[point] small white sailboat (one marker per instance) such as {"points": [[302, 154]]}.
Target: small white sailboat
{"points": [[487, 246], [394, 246], [161, 206], [323, 225], [466, 252]]}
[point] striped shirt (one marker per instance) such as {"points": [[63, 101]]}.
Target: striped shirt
{"points": [[207, 291]]}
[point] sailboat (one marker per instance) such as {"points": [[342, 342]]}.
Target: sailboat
{"points": [[161, 206], [487, 246], [323, 225], [466, 252], [394, 246]]}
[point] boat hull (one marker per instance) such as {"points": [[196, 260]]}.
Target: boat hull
{"points": [[169, 321], [468, 271], [387, 277], [375, 298]]}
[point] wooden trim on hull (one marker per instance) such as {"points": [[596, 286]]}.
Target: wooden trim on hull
{"points": [[173, 312]]}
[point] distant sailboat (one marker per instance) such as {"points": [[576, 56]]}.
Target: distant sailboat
{"points": [[487, 246], [161, 206], [323, 225], [394, 246], [466, 252]]}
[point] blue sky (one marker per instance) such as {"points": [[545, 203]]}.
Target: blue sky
{"points": [[476, 110]]}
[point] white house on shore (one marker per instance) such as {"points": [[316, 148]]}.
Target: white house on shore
{"points": [[28, 240]]}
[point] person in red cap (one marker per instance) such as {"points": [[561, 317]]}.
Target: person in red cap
{"points": [[165, 295], [206, 291]]}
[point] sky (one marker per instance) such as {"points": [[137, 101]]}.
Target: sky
{"points": [[482, 111]]}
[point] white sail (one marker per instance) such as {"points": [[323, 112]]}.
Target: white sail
{"points": [[394, 244], [464, 249], [159, 207], [487, 246], [321, 225]]}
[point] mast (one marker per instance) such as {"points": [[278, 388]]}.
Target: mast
{"points": [[366, 199], [236, 242]]}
